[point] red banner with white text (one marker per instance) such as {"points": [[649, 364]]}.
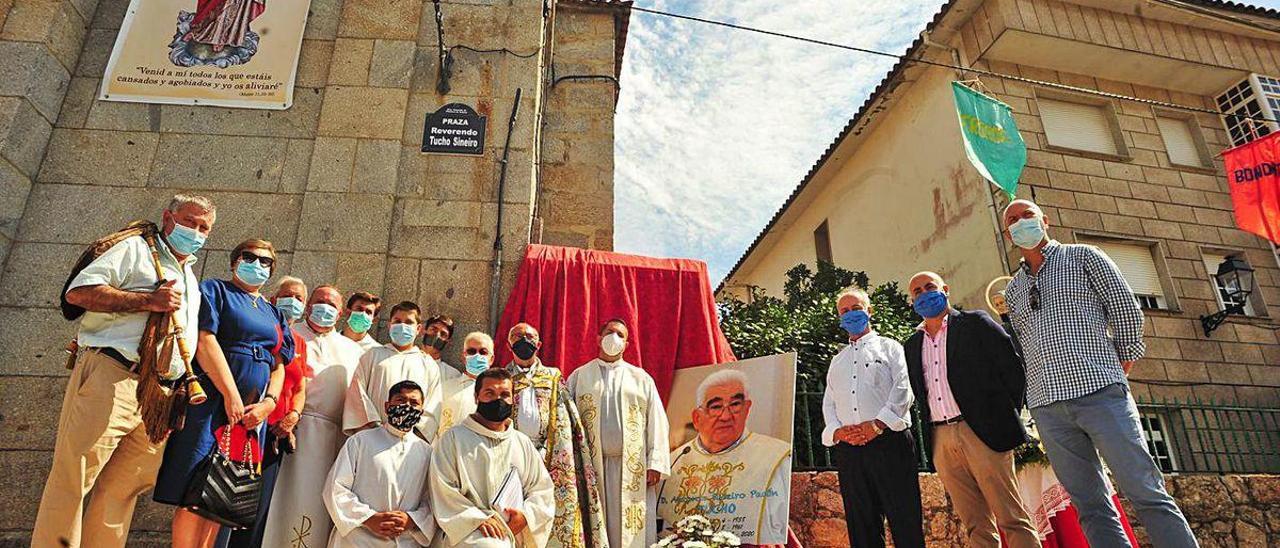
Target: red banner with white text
{"points": [[1253, 172]]}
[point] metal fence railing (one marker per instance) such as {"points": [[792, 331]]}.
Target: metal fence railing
{"points": [[1198, 436], [1182, 435]]}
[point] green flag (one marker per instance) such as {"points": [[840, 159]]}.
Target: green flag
{"points": [[991, 139]]}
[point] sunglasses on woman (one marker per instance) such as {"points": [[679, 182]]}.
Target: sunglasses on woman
{"points": [[250, 257]]}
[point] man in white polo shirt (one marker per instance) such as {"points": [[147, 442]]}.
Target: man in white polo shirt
{"points": [[102, 445]]}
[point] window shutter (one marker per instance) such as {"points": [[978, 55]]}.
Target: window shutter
{"points": [[1077, 125], [822, 242], [1211, 263], [1137, 266], [1179, 142]]}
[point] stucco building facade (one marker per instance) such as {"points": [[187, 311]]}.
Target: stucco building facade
{"points": [[894, 194], [337, 182]]}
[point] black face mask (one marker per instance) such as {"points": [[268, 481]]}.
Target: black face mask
{"points": [[403, 417], [437, 342], [496, 410], [524, 349]]}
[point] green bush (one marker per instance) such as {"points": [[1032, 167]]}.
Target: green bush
{"points": [[804, 319]]}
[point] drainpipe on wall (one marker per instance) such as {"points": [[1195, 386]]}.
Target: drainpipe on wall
{"points": [[995, 214], [495, 284]]}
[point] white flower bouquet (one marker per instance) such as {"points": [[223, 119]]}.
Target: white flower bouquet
{"points": [[696, 532]]}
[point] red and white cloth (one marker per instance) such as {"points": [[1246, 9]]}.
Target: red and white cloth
{"points": [[1055, 518]]}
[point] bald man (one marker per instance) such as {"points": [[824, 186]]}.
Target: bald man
{"points": [[546, 413], [298, 515], [1081, 332], [964, 370]]}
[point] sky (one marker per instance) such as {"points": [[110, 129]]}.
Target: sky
{"points": [[715, 127]]}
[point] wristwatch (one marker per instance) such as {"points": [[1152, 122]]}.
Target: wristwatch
{"points": [[876, 428]]}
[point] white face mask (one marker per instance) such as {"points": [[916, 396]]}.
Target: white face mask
{"points": [[613, 344]]}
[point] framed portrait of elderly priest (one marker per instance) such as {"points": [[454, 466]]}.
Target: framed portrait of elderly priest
{"points": [[731, 431]]}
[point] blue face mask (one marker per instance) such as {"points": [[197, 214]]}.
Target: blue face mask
{"points": [[252, 273], [1027, 233], [930, 304], [477, 363], [403, 334], [290, 307], [185, 240], [855, 321], [323, 315]]}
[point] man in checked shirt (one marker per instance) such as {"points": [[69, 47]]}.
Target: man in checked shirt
{"points": [[1063, 301]]}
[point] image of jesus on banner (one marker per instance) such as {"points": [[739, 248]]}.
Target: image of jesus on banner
{"points": [[216, 34]]}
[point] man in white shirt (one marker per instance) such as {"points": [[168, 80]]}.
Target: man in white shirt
{"points": [[297, 516], [867, 410], [102, 445], [377, 490]]}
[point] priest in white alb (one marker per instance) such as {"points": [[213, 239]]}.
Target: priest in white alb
{"points": [[377, 490], [487, 482], [738, 479], [383, 366], [627, 432], [297, 516]]}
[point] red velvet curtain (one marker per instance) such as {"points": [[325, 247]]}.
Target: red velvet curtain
{"points": [[567, 293]]}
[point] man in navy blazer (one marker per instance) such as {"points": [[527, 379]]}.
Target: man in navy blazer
{"points": [[969, 383]]}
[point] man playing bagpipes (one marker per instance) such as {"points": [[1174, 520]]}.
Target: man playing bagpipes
{"points": [[135, 294]]}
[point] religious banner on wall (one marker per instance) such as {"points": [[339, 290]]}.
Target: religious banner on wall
{"points": [[231, 53], [731, 432], [991, 139], [1253, 173]]}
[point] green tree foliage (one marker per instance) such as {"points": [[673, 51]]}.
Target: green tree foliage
{"points": [[804, 319]]}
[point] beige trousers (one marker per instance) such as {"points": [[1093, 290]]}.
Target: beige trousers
{"points": [[982, 488], [102, 451]]}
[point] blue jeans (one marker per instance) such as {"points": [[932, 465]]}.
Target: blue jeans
{"points": [[1074, 432]]}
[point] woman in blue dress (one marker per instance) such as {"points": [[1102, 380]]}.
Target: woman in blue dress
{"points": [[240, 355]]}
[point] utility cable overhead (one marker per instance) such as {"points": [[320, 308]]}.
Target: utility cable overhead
{"points": [[984, 72]]}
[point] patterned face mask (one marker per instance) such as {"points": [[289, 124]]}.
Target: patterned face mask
{"points": [[403, 417]]}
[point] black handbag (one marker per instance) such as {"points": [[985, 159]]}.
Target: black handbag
{"points": [[223, 490]]}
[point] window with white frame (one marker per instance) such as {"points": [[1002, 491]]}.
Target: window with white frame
{"points": [[1249, 108], [1081, 125], [1138, 266], [1182, 140], [1211, 263], [1158, 442]]}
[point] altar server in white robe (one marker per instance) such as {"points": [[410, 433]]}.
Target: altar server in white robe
{"points": [[488, 485], [383, 366], [377, 490], [297, 516], [627, 432], [458, 388]]}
